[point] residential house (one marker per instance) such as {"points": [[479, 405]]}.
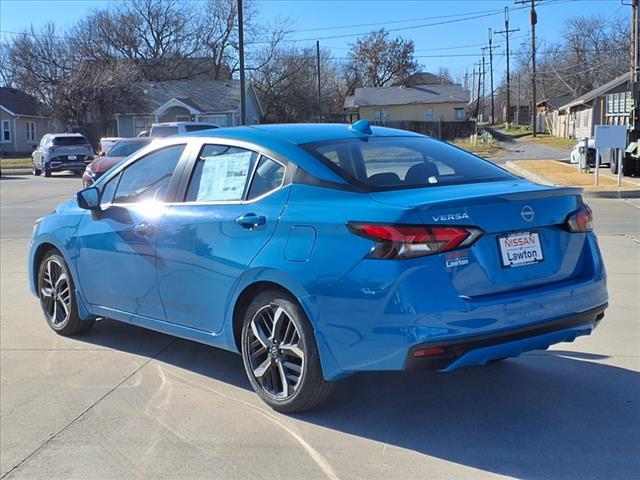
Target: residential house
{"points": [[549, 117], [416, 103], [22, 122], [216, 101], [608, 104]]}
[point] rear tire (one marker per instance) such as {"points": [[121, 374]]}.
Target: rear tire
{"points": [[58, 298], [35, 170], [280, 354]]}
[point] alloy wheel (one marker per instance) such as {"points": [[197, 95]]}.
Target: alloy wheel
{"points": [[276, 352], [55, 293]]}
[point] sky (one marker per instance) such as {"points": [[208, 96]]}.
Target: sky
{"points": [[443, 33]]}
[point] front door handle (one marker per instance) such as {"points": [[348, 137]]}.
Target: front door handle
{"points": [[144, 229], [251, 220]]}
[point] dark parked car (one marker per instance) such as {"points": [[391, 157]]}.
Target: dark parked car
{"points": [[120, 151], [58, 152]]}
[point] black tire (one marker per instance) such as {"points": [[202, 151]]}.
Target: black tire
{"points": [[45, 171], [35, 170], [71, 323], [310, 389]]}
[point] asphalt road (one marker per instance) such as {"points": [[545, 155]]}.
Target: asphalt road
{"points": [[125, 402]]}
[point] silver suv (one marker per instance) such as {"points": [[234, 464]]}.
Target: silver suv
{"points": [[61, 151]]}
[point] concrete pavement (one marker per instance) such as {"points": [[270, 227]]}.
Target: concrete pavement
{"points": [[123, 401]]}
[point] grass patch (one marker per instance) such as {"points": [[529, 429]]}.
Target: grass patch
{"points": [[486, 150], [16, 162], [550, 140]]}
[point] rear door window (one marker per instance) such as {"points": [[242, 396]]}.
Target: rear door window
{"points": [[221, 174], [268, 176]]}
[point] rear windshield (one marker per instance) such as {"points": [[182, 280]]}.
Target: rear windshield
{"points": [[163, 131], [195, 128], [387, 163], [124, 149], [69, 141]]}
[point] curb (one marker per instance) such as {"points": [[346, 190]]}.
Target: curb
{"points": [[618, 194]]}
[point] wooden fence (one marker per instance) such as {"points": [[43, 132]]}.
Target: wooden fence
{"points": [[443, 130]]}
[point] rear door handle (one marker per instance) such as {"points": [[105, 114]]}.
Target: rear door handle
{"points": [[144, 229], [251, 220]]}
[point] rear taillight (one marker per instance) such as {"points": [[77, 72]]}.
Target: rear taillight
{"points": [[408, 241], [580, 221]]}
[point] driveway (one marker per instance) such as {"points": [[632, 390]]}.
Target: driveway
{"points": [[123, 402], [522, 150]]}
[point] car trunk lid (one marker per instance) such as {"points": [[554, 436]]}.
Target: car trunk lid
{"points": [[512, 214]]}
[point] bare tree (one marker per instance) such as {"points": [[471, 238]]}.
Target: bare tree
{"points": [[288, 85], [381, 61]]}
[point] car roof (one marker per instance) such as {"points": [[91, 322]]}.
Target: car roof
{"points": [[175, 124], [65, 135], [135, 140], [285, 140], [298, 133]]}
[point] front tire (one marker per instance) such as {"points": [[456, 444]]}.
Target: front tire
{"points": [[35, 170], [57, 297], [45, 171], [280, 354]]}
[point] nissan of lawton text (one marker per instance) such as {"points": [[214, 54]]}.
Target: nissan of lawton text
{"points": [[320, 251]]}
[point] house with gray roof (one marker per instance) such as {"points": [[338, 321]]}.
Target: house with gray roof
{"points": [[216, 101], [609, 104], [23, 122], [421, 103]]}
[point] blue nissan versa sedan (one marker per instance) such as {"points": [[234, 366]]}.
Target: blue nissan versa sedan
{"points": [[317, 251]]}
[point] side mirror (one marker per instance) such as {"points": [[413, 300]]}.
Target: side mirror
{"points": [[89, 198]]}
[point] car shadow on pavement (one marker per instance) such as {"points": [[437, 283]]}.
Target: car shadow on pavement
{"points": [[554, 414]]}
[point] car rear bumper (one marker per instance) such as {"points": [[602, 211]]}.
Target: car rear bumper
{"points": [[485, 348], [61, 166], [365, 324]]}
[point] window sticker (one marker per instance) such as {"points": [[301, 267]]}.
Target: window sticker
{"points": [[224, 176]]}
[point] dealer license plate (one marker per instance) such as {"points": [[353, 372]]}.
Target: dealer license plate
{"points": [[519, 249], [72, 157]]}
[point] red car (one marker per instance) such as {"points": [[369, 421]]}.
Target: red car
{"points": [[119, 152]]}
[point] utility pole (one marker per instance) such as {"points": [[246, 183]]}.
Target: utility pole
{"points": [[483, 85], [507, 33], [491, 48], [473, 82], [629, 164], [534, 21], [518, 102], [478, 99], [319, 84], [243, 93]]}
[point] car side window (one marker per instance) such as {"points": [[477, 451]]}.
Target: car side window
{"points": [[268, 176], [149, 177], [221, 174]]}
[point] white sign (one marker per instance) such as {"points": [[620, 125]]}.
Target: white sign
{"points": [[610, 136]]}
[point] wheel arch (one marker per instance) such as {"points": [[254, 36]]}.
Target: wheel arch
{"points": [[330, 368]]}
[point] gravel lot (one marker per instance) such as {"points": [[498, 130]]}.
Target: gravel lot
{"points": [[126, 402]]}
